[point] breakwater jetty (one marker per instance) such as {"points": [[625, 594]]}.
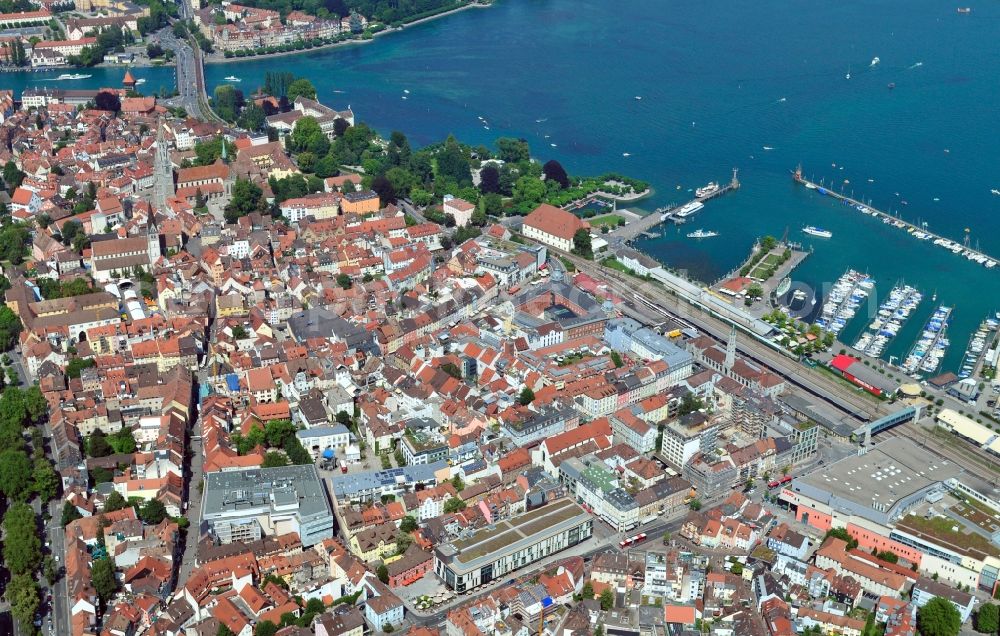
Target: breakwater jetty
{"points": [[961, 248]]}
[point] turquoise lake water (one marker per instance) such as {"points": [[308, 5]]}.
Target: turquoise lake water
{"points": [[718, 82]]}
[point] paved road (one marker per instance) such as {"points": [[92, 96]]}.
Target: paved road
{"points": [[412, 210], [59, 614], [193, 513], [195, 475], [189, 74]]}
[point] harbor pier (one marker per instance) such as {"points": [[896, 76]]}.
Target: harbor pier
{"points": [[668, 213], [922, 233]]}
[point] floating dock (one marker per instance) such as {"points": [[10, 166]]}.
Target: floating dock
{"points": [[892, 315], [979, 344], [931, 346], [956, 247]]}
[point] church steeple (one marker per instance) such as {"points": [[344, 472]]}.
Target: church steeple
{"points": [[152, 239]]}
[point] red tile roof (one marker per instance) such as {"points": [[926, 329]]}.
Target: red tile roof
{"points": [[551, 220]]}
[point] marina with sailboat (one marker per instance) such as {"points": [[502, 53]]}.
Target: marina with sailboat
{"points": [[928, 351], [892, 315]]}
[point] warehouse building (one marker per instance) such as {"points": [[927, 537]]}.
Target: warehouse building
{"points": [[878, 486], [498, 550], [866, 377]]}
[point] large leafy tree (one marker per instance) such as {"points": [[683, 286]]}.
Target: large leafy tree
{"points": [[301, 88], [938, 617], [988, 619], [44, 478], [22, 548], [15, 473], [153, 512], [102, 575], [14, 241], [581, 243], [247, 197], [452, 163], [97, 444], [489, 179], [276, 83], [607, 600], [278, 431], [554, 171], [70, 514], [513, 150], [529, 191], [22, 594], [384, 188], [12, 176], [273, 459], [106, 100], [252, 117], [227, 101], [115, 501]]}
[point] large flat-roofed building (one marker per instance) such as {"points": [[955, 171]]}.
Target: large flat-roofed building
{"points": [[688, 435], [422, 448], [373, 484], [498, 550], [879, 486], [244, 505]]}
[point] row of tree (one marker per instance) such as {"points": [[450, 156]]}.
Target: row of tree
{"points": [[16, 55], [278, 436], [22, 477]]}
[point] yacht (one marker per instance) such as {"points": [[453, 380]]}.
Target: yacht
{"points": [[817, 231], [232, 78], [689, 208], [875, 61], [702, 234], [708, 190]]}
